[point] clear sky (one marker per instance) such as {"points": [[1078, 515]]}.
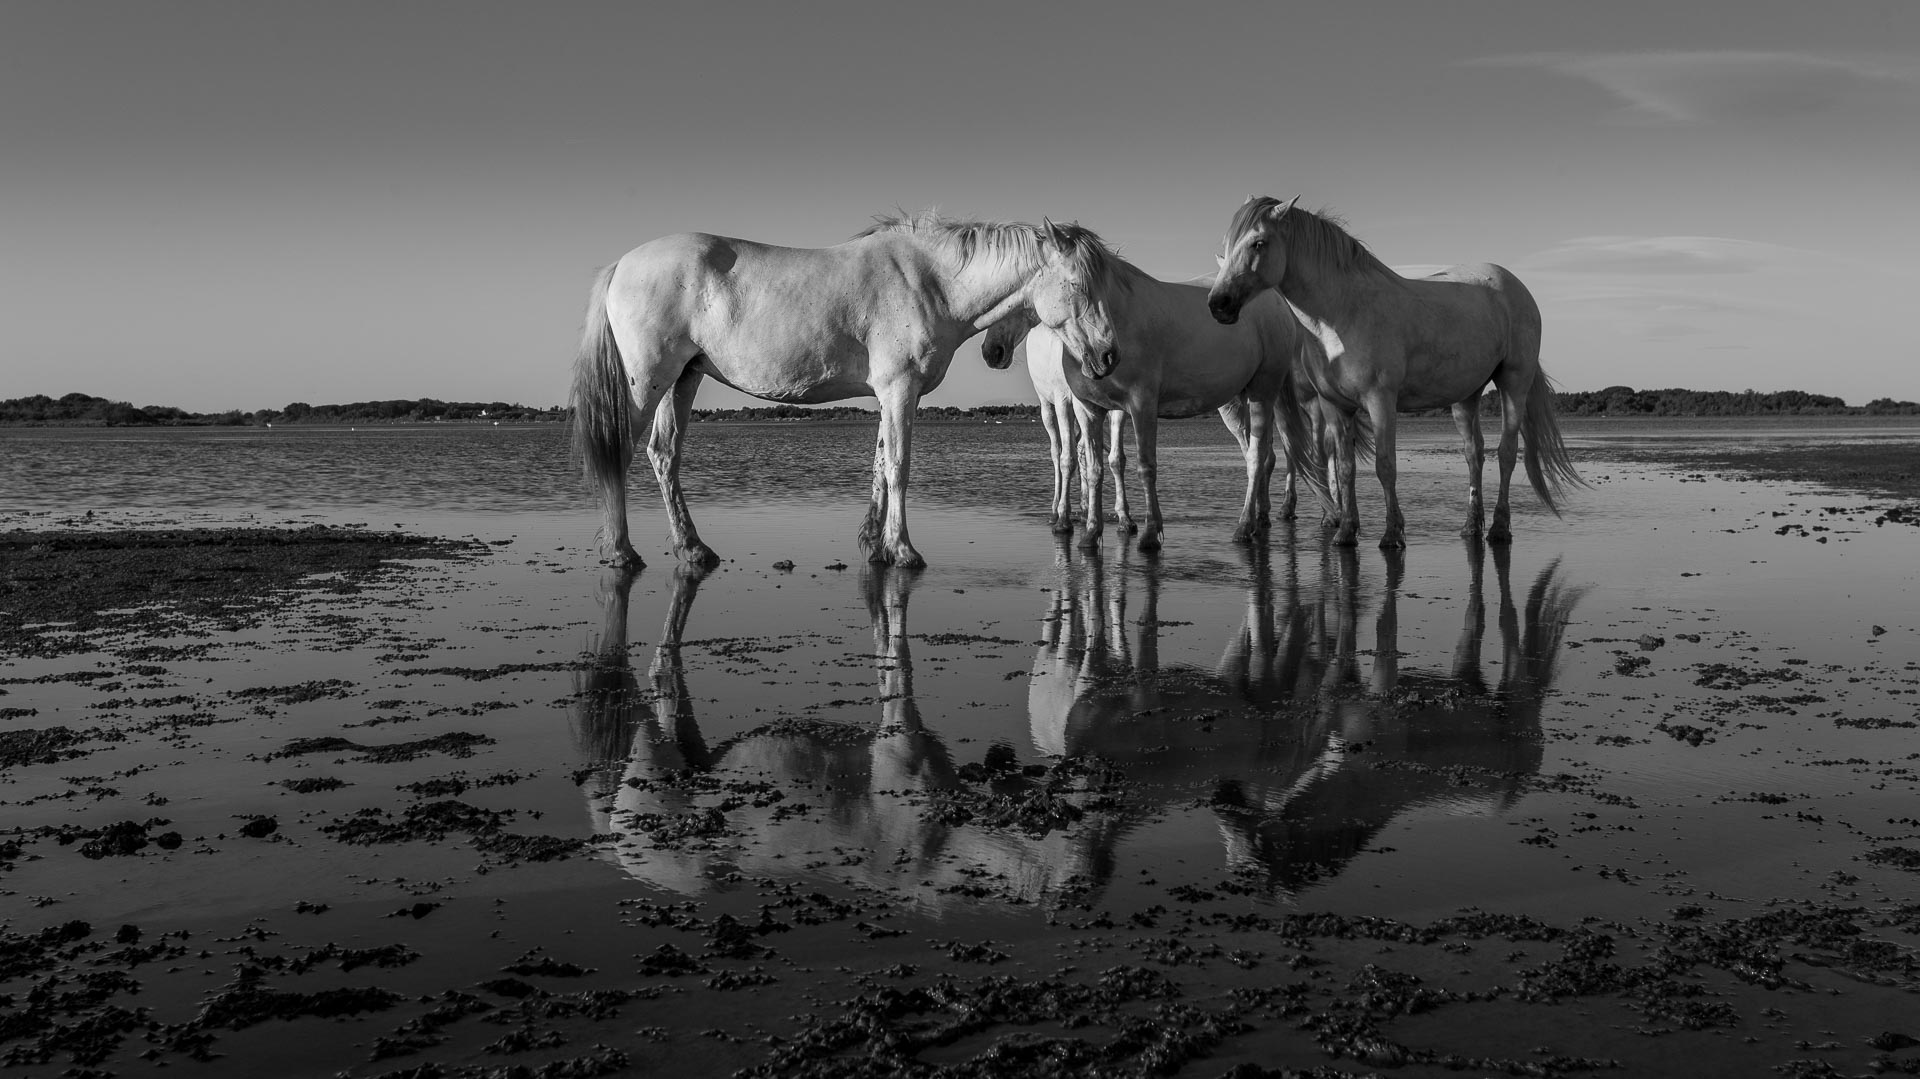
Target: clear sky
{"points": [[241, 205]]}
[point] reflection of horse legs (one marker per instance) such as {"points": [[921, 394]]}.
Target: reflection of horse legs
{"points": [[669, 433], [903, 755], [1473, 629], [1466, 420], [1386, 627], [673, 719]]}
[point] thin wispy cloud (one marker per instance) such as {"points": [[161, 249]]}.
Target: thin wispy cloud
{"points": [[1661, 255], [1675, 87]]}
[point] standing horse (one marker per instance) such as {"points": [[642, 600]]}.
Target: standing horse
{"points": [[1179, 364], [879, 315], [1396, 343]]}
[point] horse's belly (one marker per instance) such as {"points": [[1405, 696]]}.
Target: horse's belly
{"points": [[796, 382]]}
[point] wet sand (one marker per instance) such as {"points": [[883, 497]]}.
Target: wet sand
{"points": [[1415, 815]]}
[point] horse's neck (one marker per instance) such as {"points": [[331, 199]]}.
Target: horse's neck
{"points": [[1326, 298], [982, 291]]}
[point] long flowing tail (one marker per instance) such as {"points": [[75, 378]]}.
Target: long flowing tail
{"points": [[1549, 468], [602, 406]]}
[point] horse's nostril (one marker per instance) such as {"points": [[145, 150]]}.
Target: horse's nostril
{"points": [[1109, 358]]}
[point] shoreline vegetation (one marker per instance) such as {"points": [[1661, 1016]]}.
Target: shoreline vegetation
{"points": [[85, 410]]}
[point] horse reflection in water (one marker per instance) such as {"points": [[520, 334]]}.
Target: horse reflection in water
{"points": [[1301, 760], [660, 789]]}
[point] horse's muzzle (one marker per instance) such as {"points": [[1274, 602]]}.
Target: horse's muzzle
{"points": [[1224, 310], [1102, 367], [997, 358]]}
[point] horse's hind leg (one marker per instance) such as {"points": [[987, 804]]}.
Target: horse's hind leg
{"points": [[663, 449], [1060, 451], [875, 526], [1513, 409], [897, 403], [613, 503], [1466, 420]]}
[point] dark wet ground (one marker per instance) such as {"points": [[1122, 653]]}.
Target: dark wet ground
{"points": [[1637, 796]]}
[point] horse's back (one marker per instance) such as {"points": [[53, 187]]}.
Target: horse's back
{"points": [[1488, 283]]}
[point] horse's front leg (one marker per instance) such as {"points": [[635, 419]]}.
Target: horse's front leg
{"points": [[1258, 454], [663, 449], [1466, 420], [896, 427], [1117, 468], [1092, 449], [1146, 432], [1056, 457], [1382, 407]]}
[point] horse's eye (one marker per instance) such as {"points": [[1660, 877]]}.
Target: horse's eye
{"points": [[1258, 245]]}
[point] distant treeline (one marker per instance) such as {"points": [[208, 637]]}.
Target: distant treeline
{"points": [[1627, 401], [79, 409]]}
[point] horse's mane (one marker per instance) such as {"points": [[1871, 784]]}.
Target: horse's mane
{"points": [[1092, 257], [1319, 237]]}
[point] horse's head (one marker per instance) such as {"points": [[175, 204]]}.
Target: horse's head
{"points": [[1255, 258], [1069, 296], [1004, 336]]}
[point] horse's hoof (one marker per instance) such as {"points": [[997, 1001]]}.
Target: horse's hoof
{"points": [[1089, 541], [879, 556], [1149, 545], [628, 559], [698, 554], [1243, 536], [1499, 535], [908, 559], [1128, 525], [1392, 542], [1062, 528], [1344, 537]]}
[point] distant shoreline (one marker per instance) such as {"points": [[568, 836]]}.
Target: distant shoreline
{"points": [[1614, 402]]}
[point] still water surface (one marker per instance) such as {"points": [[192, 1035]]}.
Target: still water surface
{"points": [[1351, 725]]}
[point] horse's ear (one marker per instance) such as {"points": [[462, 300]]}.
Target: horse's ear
{"points": [[1219, 262], [1282, 211], [1054, 233]]}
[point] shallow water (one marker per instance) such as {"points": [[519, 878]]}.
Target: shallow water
{"points": [[1293, 726]]}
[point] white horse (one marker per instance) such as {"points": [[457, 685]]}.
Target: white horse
{"points": [[879, 315], [1179, 364], [1062, 416], [1396, 343]]}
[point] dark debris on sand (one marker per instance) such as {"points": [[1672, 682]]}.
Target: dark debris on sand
{"points": [[58, 588]]}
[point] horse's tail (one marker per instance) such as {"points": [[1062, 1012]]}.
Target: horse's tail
{"points": [[1359, 424], [602, 406], [1549, 467], [1299, 424]]}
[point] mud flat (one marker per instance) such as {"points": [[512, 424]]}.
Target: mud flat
{"points": [[326, 801]]}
